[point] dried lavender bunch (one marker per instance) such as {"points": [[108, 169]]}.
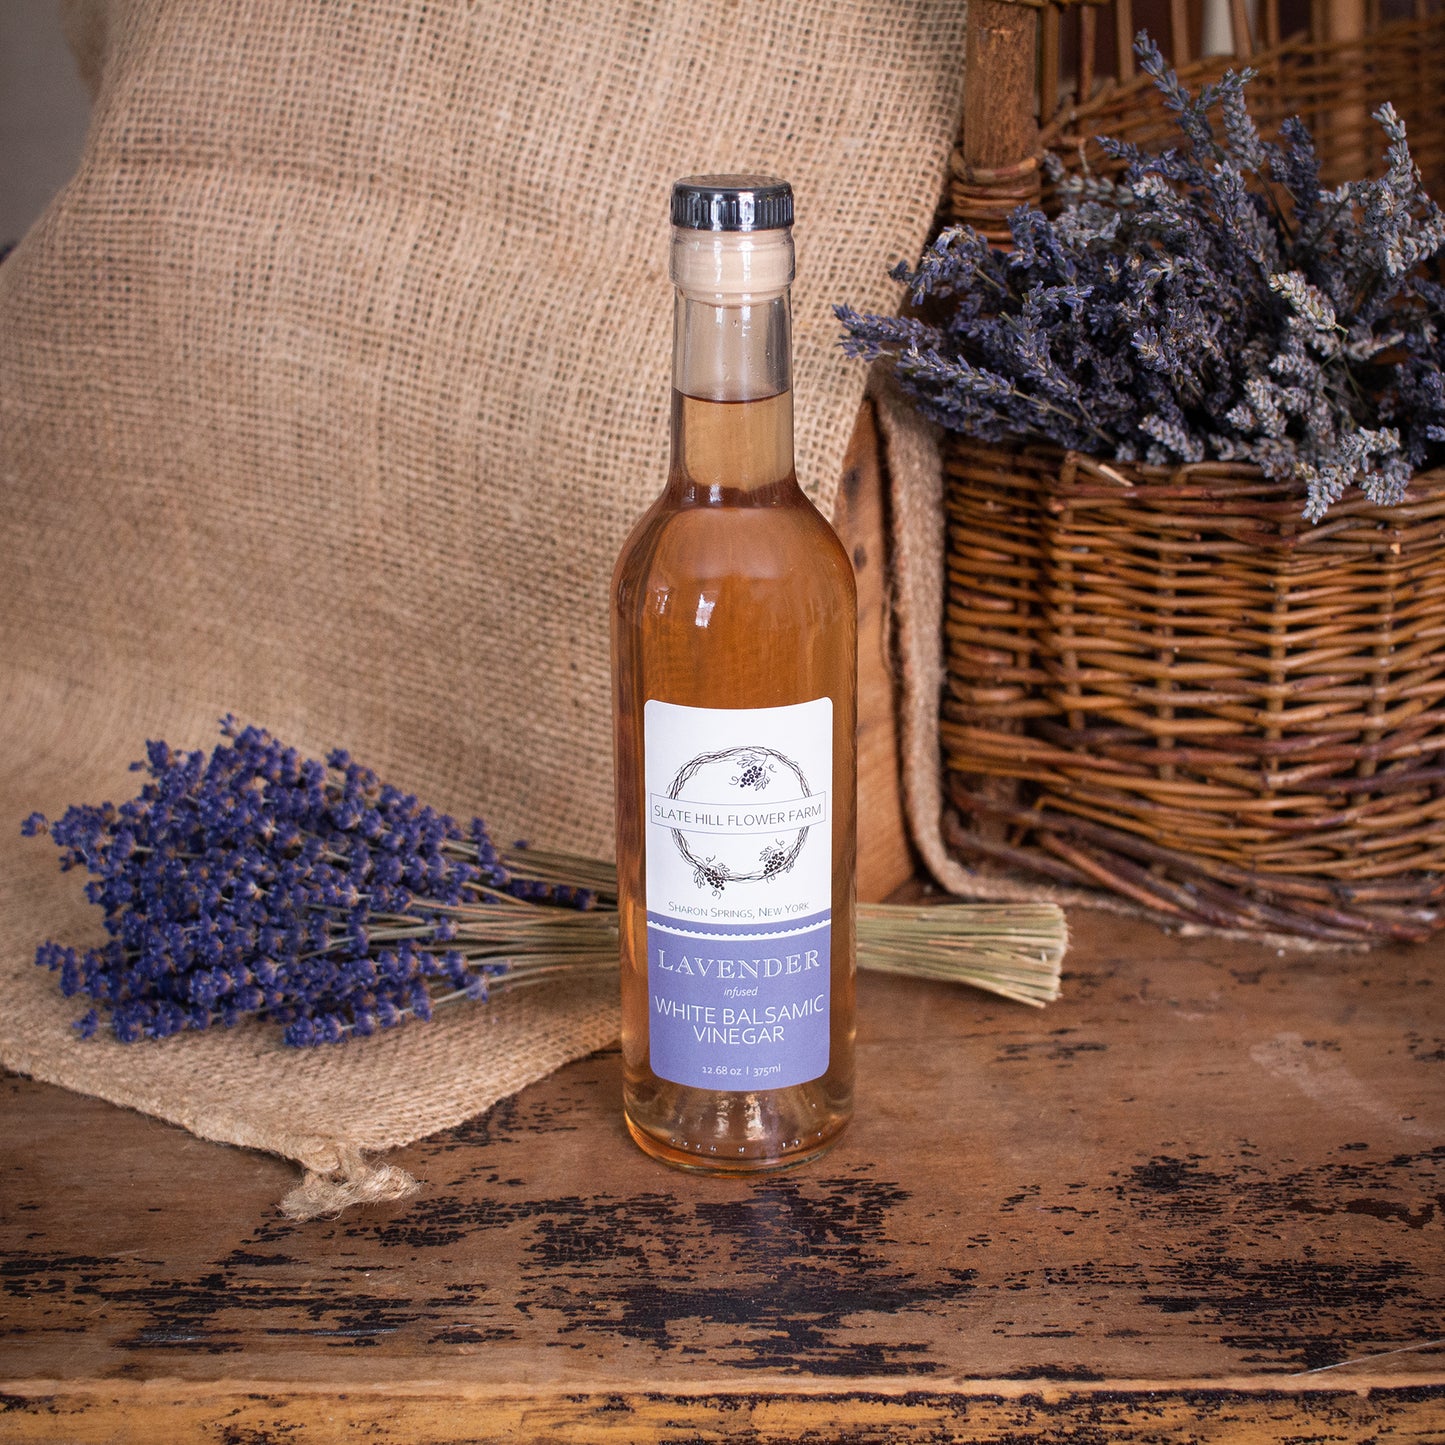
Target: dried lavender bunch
{"points": [[259, 882], [1216, 301]]}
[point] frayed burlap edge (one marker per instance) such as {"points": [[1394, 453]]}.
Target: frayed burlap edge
{"points": [[336, 1172], [335, 1112]]}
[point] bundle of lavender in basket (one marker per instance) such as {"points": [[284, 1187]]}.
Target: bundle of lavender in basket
{"points": [[1214, 302], [259, 883]]}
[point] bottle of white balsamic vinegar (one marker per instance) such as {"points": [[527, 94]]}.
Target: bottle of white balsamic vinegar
{"points": [[735, 661]]}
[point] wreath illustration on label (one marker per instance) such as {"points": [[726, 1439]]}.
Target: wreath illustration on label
{"points": [[750, 769]]}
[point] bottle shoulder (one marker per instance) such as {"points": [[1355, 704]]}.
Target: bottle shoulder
{"points": [[791, 543]]}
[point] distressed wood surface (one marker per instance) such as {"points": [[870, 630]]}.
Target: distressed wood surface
{"points": [[1202, 1198]]}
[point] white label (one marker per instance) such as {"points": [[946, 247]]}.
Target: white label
{"points": [[739, 892]]}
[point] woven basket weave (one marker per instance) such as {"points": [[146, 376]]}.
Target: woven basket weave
{"points": [[1166, 684], [1332, 84]]}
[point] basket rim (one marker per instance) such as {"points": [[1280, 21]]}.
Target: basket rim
{"points": [[1072, 477]]}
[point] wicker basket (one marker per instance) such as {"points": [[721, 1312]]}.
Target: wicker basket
{"points": [[1169, 685], [1166, 684]]}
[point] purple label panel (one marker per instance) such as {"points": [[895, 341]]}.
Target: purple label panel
{"points": [[738, 1007]]}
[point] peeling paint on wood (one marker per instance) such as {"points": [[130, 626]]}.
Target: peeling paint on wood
{"points": [[1121, 1219]]}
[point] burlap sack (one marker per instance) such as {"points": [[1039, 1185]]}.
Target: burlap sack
{"points": [[330, 386]]}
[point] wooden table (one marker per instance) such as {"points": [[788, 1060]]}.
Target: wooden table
{"points": [[1202, 1198]]}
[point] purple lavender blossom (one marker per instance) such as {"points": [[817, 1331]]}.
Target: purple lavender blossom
{"points": [[256, 882], [1214, 301]]}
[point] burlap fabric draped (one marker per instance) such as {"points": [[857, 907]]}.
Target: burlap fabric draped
{"points": [[329, 388]]}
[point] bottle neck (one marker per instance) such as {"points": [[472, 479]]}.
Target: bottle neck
{"points": [[726, 351], [732, 367], [732, 417]]}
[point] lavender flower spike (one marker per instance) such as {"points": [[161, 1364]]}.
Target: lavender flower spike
{"points": [[258, 883], [1213, 301]]}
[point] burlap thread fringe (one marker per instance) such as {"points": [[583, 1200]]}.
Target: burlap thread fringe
{"points": [[355, 1180]]}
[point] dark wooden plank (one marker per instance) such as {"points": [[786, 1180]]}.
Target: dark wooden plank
{"points": [[885, 858], [1202, 1196], [461, 1416]]}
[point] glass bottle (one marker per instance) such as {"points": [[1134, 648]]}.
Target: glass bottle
{"points": [[734, 645]]}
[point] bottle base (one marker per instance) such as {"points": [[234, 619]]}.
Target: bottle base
{"points": [[710, 1160]]}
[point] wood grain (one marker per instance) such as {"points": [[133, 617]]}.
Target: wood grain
{"points": [[999, 125], [1200, 1199], [885, 858]]}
